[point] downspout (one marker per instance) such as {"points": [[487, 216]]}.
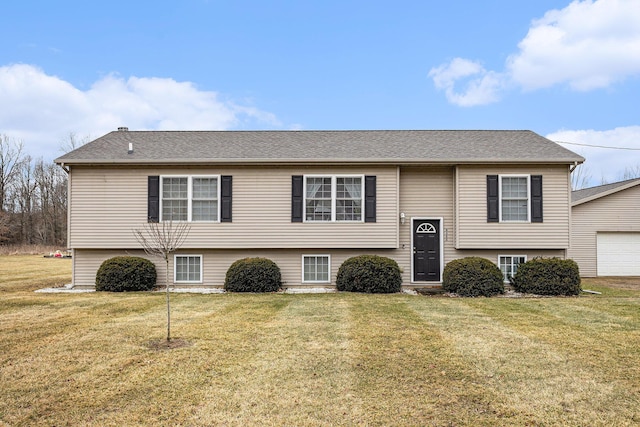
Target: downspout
{"points": [[398, 208], [64, 168], [575, 165]]}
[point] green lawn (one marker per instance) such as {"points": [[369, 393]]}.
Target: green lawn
{"points": [[315, 359]]}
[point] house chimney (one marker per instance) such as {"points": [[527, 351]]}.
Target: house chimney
{"points": [[123, 129]]}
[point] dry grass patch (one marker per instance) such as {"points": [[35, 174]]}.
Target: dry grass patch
{"points": [[555, 359], [408, 374], [318, 360], [31, 272], [96, 369], [613, 286], [294, 374]]}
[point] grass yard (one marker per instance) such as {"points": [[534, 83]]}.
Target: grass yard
{"points": [[314, 359], [31, 272]]}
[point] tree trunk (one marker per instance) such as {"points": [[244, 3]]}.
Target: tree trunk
{"points": [[166, 281]]}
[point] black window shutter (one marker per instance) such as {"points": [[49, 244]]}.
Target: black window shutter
{"points": [[153, 199], [226, 192], [536, 198], [297, 196], [493, 199], [370, 198]]}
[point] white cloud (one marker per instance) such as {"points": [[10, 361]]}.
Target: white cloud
{"points": [[604, 165], [42, 110], [587, 45], [482, 86]]}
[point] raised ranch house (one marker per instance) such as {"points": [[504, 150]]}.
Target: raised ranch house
{"points": [[308, 200], [605, 229]]}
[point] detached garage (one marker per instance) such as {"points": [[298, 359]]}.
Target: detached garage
{"points": [[605, 229]]}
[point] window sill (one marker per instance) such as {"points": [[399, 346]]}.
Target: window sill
{"points": [[333, 222]]}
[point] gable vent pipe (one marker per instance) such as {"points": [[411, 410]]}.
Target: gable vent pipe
{"points": [[130, 148]]}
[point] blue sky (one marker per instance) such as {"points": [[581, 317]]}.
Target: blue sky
{"points": [[567, 70]]}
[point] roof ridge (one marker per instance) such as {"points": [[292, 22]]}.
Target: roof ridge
{"points": [[325, 130]]}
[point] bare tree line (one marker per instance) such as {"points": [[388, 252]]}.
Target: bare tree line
{"points": [[33, 196], [581, 178]]}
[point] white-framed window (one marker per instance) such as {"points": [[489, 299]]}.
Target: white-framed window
{"points": [[190, 198], [509, 264], [187, 268], [349, 192], [514, 198], [331, 198], [316, 269], [318, 198]]}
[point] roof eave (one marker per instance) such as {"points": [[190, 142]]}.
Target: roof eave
{"points": [[279, 162]]}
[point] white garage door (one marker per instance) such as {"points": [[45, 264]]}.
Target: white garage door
{"points": [[618, 254]]}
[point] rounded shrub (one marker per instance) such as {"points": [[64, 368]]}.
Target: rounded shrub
{"points": [[253, 275], [369, 273], [548, 276], [472, 277], [125, 274]]}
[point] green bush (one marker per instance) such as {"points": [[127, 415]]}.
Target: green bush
{"points": [[126, 273], [369, 273], [472, 277], [253, 275], [548, 276]]}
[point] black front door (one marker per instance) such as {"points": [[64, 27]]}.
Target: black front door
{"points": [[426, 250]]}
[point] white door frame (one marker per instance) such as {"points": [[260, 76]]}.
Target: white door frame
{"points": [[441, 242]]}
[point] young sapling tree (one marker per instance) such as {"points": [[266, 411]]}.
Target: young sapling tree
{"points": [[161, 239]]}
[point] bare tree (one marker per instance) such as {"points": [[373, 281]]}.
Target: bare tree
{"points": [[161, 239], [33, 195], [580, 177], [11, 159], [5, 228], [73, 141], [25, 201], [51, 183], [631, 172]]}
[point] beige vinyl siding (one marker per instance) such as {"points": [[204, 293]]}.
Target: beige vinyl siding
{"points": [[617, 212], [492, 255], [428, 192], [474, 232], [216, 263], [106, 204], [425, 192]]}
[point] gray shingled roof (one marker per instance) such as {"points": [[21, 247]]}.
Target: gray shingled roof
{"points": [[592, 193], [374, 146]]}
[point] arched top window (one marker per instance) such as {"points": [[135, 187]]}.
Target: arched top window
{"points": [[426, 227]]}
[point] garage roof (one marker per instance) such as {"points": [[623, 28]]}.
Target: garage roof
{"points": [[587, 194]]}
